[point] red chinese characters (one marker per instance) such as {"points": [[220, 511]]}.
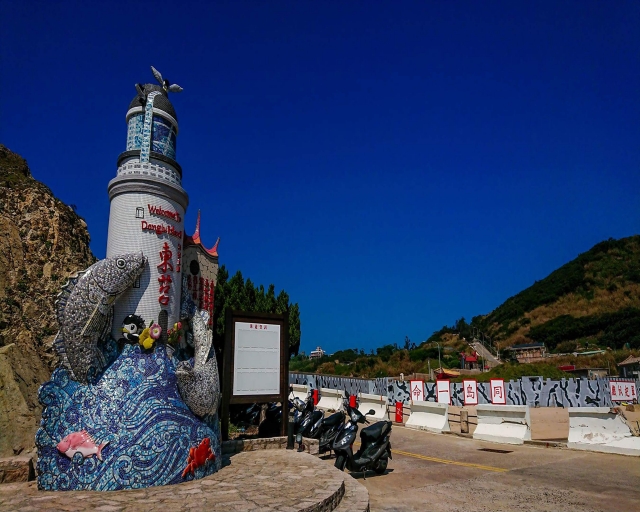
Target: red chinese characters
{"points": [[202, 291], [165, 267]]}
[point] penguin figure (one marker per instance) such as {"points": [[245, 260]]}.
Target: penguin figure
{"points": [[132, 326]]}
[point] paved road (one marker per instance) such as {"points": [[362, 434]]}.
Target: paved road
{"points": [[437, 472], [490, 359]]}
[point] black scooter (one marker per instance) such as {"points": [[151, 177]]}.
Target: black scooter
{"points": [[312, 424], [375, 447]]}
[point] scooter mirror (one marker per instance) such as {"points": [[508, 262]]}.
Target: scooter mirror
{"points": [[371, 413]]}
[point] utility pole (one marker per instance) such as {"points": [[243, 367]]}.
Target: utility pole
{"points": [[439, 363]]}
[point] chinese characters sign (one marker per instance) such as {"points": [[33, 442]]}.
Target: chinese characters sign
{"points": [[498, 396], [165, 268], [470, 392], [443, 393], [622, 391], [417, 390]]}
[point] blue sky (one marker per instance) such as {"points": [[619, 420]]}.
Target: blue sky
{"points": [[392, 165]]}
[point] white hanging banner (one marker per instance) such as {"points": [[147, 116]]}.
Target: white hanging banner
{"points": [[442, 388], [470, 388], [498, 396], [417, 390]]}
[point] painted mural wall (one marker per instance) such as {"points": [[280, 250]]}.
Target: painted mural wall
{"points": [[532, 391]]}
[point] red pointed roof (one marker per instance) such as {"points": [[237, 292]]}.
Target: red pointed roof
{"points": [[195, 240]]}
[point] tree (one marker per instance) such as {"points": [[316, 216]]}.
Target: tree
{"points": [[236, 293]]}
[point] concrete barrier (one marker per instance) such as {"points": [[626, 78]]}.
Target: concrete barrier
{"points": [[300, 391], [330, 399], [431, 416], [376, 402], [510, 424], [602, 430]]}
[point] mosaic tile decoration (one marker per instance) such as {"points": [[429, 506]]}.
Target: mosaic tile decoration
{"points": [[134, 132], [136, 408], [146, 130], [163, 137]]}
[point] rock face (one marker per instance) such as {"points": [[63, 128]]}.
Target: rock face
{"points": [[43, 241]]}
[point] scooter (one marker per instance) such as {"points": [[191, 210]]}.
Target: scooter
{"points": [[375, 447]]}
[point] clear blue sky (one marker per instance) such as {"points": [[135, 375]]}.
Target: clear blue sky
{"points": [[392, 165]]}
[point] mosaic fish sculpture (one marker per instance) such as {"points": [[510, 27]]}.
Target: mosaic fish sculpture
{"points": [[81, 442], [84, 309], [198, 382]]}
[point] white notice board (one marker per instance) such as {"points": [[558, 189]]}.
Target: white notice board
{"points": [[256, 359]]}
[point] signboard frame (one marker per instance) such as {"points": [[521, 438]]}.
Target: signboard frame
{"points": [[447, 391], [228, 366], [470, 382], [491, 387], [421, 384], [623, 394]]}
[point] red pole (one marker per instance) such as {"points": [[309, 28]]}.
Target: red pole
{"points": [[315, 397], [352, 401]]}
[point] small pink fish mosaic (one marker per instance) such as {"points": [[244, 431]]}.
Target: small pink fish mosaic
{"points": [[81, 442]]}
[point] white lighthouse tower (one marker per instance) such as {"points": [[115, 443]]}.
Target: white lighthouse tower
{"points": [[148, 205]]}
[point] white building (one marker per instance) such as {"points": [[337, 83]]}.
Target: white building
{"points": [[317, 353]]}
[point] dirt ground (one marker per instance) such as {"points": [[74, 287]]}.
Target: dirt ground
{"points": [[438, 472]]}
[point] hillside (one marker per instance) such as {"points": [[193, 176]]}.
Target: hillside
{"points": [[594, 300], [43, 241]]}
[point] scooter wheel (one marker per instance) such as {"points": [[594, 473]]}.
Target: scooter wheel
{"points": [[381, 466], [341, 460]]}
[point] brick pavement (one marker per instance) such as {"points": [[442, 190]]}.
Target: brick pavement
{"points": [[262, 480]]}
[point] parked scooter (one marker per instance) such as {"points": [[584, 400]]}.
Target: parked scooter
{"points": [[375, 446]]}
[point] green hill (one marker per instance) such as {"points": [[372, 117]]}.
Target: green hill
{"points": [[594, 300]]}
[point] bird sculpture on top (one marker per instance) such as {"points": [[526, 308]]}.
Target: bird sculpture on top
{"points": [[166, 85]]}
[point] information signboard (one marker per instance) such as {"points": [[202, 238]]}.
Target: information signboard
{"points": [[255, 362], [256, 369]]}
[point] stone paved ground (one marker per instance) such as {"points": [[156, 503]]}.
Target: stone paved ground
{"points": [[535, 478], [262, 480]]}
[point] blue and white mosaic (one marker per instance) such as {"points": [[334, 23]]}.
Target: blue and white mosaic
{"points": [[135, 410], [134, 132], [164, 137], [146, 129]]}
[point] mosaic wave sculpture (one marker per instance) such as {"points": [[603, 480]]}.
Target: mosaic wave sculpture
{"points": [[135, 410]]}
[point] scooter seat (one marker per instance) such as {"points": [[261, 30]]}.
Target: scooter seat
{"points": [[375, 431], [334, 419]]}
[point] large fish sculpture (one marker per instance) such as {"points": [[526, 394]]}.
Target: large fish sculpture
{"points": [[199, 382], [84, 309]]}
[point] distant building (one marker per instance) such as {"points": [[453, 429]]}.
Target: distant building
{"points": [[528, 352], [630, 367], [317, 353], [469, 362]]}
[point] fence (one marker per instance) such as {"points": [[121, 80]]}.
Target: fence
{"points": [[532, 391]]}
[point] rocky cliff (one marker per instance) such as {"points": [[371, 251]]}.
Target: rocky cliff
{"points": [[43, 241]]}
